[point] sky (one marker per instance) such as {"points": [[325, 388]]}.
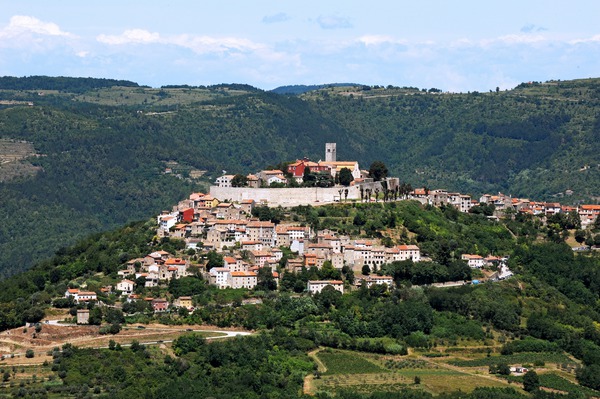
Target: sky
{"points": [[455, 46]]}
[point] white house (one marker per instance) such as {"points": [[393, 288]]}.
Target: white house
{"points": [[474, 261], [81, 296], [224, 181], [165, 222], [125, 286], [374, 279], [315, 286], [220, 276]]}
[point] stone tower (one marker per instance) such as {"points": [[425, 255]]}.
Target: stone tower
{"points": [[330, 152]]}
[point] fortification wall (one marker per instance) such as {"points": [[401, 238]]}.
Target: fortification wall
{"points": [[284, 196]]}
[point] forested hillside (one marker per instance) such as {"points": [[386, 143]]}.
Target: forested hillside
{"points": [[103, 150]]}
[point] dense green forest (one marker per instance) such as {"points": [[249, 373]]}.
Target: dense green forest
{"points": [[549, 313], [103, 148]]}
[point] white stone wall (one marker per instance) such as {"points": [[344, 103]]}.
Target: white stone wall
{"points": [[284, 196]]}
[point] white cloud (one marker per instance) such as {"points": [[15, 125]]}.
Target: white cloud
{"points": [[374, 40], [518, 39], [22, 24], [198, 44], [209, 44], [593, 39], [138, 36]]}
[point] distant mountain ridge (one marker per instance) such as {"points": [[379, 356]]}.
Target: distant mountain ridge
{"points": [[300, 89], [75, 85]]}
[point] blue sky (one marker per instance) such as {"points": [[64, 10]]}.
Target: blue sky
{"points": [[451, 45]]}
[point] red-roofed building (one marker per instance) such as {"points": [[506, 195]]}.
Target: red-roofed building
{"points": [[243, 280], [588, 214], [297, 168], [159, 304]]}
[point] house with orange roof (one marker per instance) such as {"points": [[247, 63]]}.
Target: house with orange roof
{"points": [[160, 304], [251, 245], [337, 166], [294, 265], [226, 210], [588, 215], [247, 205], [334, 242], [312, 260], [81, 296], [287, 234], [196, 196], [402, 252], [260, 257], [253, 181], [178, 265], [297, 168], [180, 231], [244, 279], [165, 222], [229, 262], [166, 272], [474, 261], [419, 193], [184, 302], [72, 292], [207, 201], [552, 208]]}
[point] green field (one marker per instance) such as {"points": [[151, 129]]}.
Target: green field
{"points": [[555, 381], [342, 362], [362, 372], [517, 358]]}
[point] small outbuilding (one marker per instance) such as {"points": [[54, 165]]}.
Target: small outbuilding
{"points": [[83, 316]]}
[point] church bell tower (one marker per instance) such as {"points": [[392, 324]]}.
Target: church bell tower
{"points": [[330, 155]]}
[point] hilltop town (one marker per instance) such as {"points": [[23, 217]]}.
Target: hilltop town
{"points": [[247, 244]]}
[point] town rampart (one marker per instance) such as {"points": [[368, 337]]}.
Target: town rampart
{"points": [[286, 196]]}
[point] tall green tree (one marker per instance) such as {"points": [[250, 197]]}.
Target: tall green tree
{"points": [[345, 177], [531, 381], [265, 279], [378, 171], [239, 181]]}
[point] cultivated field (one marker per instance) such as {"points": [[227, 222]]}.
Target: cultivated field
{"points": [[12, 159], [14, 343], [458, 369]]}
